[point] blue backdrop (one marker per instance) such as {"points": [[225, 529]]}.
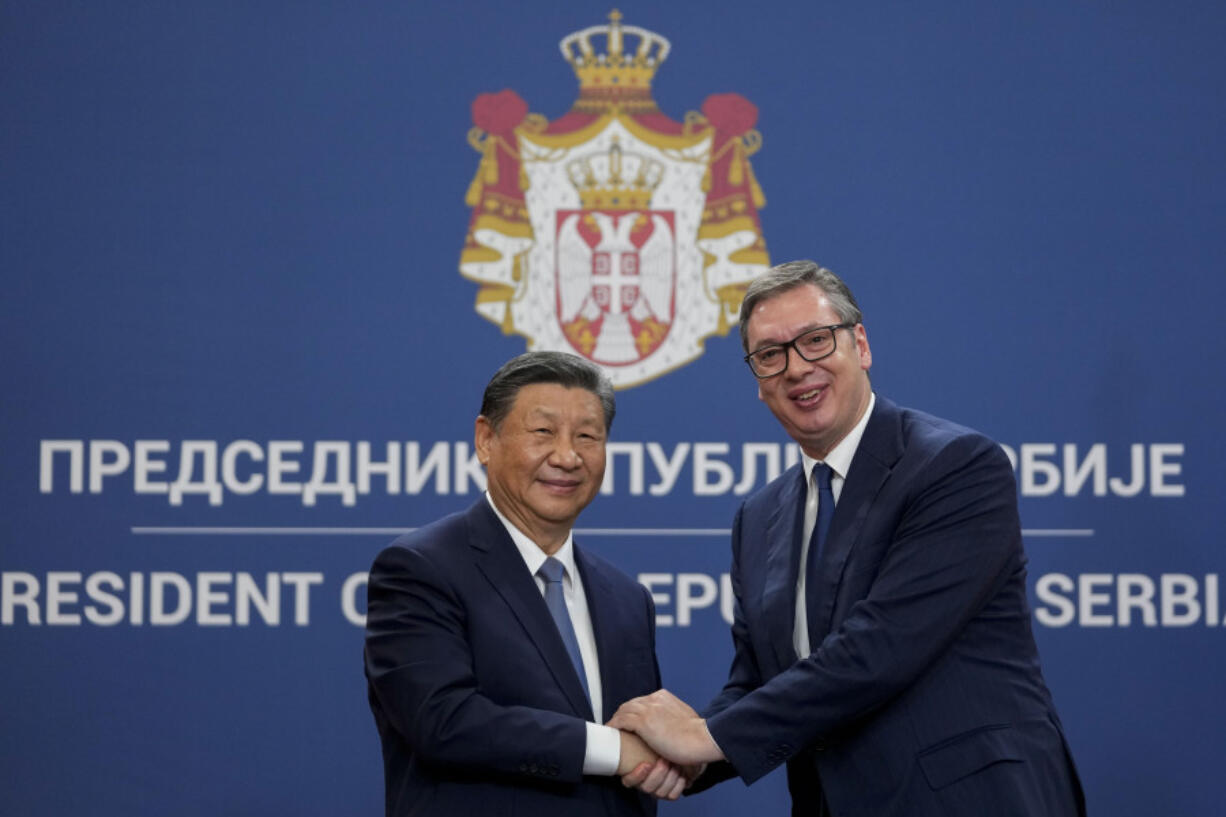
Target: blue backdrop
{"points": [[230, 240]]}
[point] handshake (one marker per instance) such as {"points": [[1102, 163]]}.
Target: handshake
{"points": [[664, 744]]}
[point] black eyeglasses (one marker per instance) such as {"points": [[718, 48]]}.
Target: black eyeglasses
{"points": [[812, 345]]}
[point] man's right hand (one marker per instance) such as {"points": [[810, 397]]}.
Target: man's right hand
{"points": [[643, 769]]}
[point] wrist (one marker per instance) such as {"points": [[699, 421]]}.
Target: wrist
{"points": [[633, 753]]}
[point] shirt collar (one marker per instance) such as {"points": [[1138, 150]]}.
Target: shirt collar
{"points": [[839, 458], [531, 552]]}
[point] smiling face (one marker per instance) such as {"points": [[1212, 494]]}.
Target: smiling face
{"points": [[817, 403], [545, 461]]}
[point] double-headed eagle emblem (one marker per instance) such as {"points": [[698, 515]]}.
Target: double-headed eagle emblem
{"points": [[614, 231]]}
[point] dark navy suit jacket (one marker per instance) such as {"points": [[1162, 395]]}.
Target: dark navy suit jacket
{"points": [[478, 706], [923, 694]]}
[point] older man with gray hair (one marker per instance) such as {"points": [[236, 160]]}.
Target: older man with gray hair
{"points": [[495, 645]]}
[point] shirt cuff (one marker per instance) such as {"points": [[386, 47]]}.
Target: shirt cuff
{"points": [[707, 729], [604, 750]]}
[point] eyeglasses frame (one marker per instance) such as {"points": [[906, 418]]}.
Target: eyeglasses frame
{"points": [[791, 344]]}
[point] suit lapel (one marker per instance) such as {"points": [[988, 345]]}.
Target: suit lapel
{"points": [[783, 567], [879, 449], [500, 562]]}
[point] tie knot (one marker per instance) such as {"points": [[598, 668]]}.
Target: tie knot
{"points": [[821, 476], [551, 570]]}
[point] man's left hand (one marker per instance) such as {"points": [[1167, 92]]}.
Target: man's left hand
{"points": [[669, 726]]}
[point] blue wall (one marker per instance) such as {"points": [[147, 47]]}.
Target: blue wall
{"points": [[228, 222]]}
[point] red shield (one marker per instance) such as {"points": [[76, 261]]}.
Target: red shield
{"points": [[616, 281]]}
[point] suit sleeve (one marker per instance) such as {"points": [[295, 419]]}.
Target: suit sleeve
{"points": [[420, 667], [956, 544], [743, 676]]}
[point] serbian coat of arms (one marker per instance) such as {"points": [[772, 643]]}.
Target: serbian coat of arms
{"points": [[614, 231]]}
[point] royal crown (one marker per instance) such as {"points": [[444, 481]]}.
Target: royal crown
{"points": [[615, 180], [618, 76]]}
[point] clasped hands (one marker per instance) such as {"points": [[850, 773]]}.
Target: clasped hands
{"points": [[665, 745]]}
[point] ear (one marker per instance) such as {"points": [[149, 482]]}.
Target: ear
{"points": [[483, 438], [862, 348]]}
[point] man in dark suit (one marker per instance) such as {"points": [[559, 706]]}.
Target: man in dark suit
{"points": [[882, 633], [494, 644]]}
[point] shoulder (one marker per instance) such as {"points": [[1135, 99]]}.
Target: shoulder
{"points": [[898, 432], [933, 451], [618, 579], [927, 433]]}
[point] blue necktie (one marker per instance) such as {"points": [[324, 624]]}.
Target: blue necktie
{"points": [[551, 571], [825, 511]]}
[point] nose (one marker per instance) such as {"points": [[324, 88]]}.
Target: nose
{"points": [[801, 366], [565, 455]]}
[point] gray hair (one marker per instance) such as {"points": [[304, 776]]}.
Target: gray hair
{"points": [[530, 368], [785, 277]]}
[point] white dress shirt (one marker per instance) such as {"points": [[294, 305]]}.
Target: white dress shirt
{"points": [[839, 460], [602, 753]]}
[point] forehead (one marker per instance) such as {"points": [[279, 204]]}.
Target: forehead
{"points": [[550, 399], [781, 317]]}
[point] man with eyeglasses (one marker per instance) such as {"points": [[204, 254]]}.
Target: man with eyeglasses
{"points": [[882, 633]]}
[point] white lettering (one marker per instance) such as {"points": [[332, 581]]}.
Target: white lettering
{"points": [[688, 600], [417, 472], [207, 596], [389, 468], [47, 449], [302, 583], [159, 616], [229, 467], [144, 465], [1180, 607], [1135, 590], [1089, 597], [1160, 469], [1132, 488], [727, 599], [100, 465], [136, 599], [247, 593], [650, 580], [1032, 467], [769, 452], [1094, 465], [1211, 600], [1060, 610], [279, 467], [705, 465], [669, 468], [634, 453], [56, 596], [11, 597], [349, 598], [467, 467], [113, 604], [207, 484], [342, 485]]}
